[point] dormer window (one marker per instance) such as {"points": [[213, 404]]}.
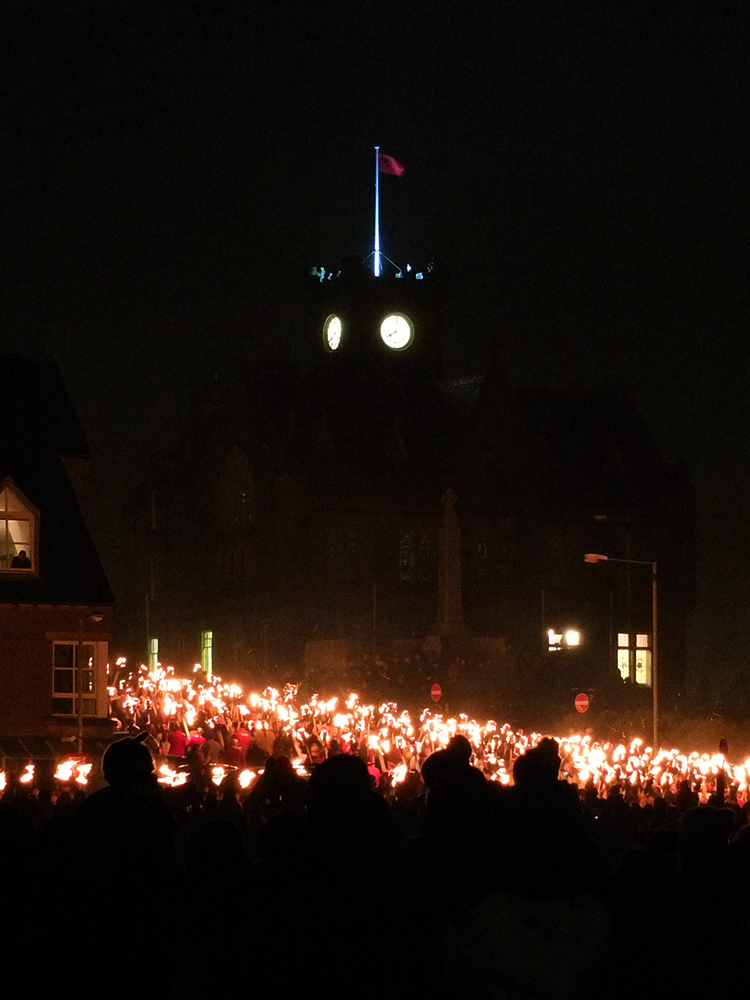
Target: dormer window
{"points": [[18, 531]]}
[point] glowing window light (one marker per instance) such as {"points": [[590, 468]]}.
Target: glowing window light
{"points": [[207, 640]]}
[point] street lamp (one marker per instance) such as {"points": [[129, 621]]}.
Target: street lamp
{"points": [[79, 675], [595, 557], [558, 640]]}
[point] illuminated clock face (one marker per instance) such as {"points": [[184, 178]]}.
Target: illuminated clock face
{"points": [[397, 331], [332, 332]]}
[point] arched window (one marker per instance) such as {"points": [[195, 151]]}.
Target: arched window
{"points": [[18, 531]]}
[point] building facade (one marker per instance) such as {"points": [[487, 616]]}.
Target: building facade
{"points": [[56, 606]]}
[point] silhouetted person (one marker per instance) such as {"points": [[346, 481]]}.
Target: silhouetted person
{"points": [[127, 825], [255, 755], [351, 824], [21, 561], [355, 845], [118, 847], [686, 796], [278, 790], [215, 875], [459, 748], [214, 857]]}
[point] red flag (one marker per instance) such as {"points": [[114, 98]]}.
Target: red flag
{"points": [[387, 165]]}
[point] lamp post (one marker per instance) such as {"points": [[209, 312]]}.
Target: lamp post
{"points": [[79, 675], [595, 557]]}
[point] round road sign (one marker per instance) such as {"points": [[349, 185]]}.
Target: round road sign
{"points": [[582, 702], [435, 692]]}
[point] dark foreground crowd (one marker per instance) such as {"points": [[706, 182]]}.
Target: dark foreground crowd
{"points": [[446, 885]]}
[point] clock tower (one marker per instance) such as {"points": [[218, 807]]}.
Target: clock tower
{"points": [[385, 326]]}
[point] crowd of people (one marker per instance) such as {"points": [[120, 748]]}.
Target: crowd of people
{"points": [[441, 884]]}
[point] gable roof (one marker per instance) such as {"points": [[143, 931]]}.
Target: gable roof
{"points": [[36, 413], [38, 428]]}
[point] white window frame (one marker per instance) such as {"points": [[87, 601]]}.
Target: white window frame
{"points": [[21, 511], [634, 657], [59, 694]]}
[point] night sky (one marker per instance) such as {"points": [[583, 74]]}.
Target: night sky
{"points": [[579, 170]]}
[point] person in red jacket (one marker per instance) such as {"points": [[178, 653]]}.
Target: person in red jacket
{"points": [[177, 741]]}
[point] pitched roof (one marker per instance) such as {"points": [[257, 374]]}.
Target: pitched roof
{"points": [[38, 426], [36, 413]]}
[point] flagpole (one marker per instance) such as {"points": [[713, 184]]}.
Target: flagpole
{"points": [[376, 254]]}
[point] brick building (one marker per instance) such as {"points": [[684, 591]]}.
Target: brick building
{"points": [[56, 606]]}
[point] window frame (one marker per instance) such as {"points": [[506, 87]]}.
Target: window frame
{"points": [[631, 646], [25, 511], [71, 696]]}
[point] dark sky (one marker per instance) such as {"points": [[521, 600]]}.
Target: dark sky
{"points": [[579, 169]]}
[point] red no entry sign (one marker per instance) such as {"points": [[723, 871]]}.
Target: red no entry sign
{"points": [[582, 702], [435, 692]]}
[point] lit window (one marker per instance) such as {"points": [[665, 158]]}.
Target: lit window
{"points": [[17, 531], [643, 667], [68, 659], [634, 657], [623, 663], [207, 642]]}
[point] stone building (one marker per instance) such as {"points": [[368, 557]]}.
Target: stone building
{"points": [[357, 498]]}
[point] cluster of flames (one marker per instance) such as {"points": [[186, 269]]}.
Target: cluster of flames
{"points": [[395, 743], [398, 744], [73, 770]]}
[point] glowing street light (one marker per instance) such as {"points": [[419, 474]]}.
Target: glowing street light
{"points": [[595, 557], [558, 640]]}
